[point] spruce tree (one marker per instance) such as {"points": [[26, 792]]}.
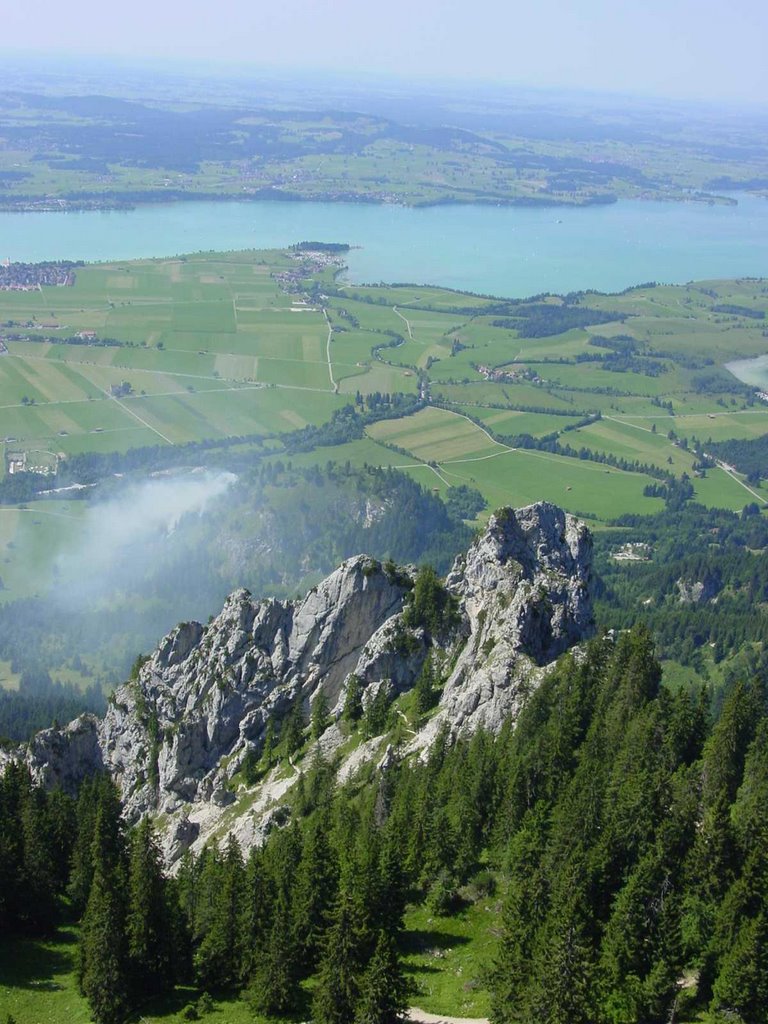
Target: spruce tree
{"points": [[273, 988], [82, 854], [353, 701], [103, 961], [336, 994], [148, 924], [292, 733], [315, 889], [319, 715], [424, 694], [383, 989], [255, 913], [217, 963]]}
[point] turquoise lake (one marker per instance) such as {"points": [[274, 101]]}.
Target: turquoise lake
{"points": [[496, 250]]}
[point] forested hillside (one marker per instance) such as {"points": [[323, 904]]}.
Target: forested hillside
{"points": [[621, 825], [698, 580]]}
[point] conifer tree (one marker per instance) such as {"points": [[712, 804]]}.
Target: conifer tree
{"points": [[336, 995], [424, 694], [273, 988], [39, 859], [255, 913], [561, 987], [315, 889], [82, 853], [319, 715], [217, 963], [148, 924], [353, 701], [268, 749], [102, 959], [383, 989], [292, 733], [741, 986]]}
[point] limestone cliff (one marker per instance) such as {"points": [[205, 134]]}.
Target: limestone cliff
{"points": [[175, 737]]}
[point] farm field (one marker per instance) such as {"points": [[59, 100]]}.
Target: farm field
{"points": [[206, 350], [462, 453]]}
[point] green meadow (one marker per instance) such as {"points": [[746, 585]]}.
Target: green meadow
{"points": [[217, 346]]}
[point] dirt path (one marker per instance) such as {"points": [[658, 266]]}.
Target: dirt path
{"points": [[421, 1017], [334, 385], [728, 472], [481, 429], [407, 322]]}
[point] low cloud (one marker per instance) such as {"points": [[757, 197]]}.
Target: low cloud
{"points": [[123, 535]]}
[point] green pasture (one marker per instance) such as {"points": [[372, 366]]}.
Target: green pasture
{"points": [[430, 327], [414, 296], [517, 395], [632, 440], [593, 377], [511, 422], [37, 981], [721, 490], [521, 477], [445, 959], [9, 680], [219, 350], [359, 453], [383, 378], [350, 353], [198, 326], [433, 435], [370, 316], [721, 426]]}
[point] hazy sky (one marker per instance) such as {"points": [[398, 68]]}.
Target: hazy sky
{"points": [[677, 48]]}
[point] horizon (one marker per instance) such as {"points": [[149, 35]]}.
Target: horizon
{"points": [[676, 53]]}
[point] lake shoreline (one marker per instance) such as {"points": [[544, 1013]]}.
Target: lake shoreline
{"points": [[130, 201], [753, 372], [514, 251]]}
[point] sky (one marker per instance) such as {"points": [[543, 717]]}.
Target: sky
{"points": [[699, 49]]}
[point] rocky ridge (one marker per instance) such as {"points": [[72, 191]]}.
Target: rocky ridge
{"points": [[176, 737]]}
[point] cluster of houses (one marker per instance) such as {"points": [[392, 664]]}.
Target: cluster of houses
{"points": [[504, 375], [633, 551], [44, 463], [28, 277]]}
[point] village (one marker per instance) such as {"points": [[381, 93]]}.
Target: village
{"points": [[27, 277], [503, 375]]}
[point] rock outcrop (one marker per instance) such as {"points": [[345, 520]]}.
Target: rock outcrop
{"points": [[525, 591], [699, 591], [203, 700], [174, 737]]}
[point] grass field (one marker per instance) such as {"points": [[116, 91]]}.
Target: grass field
{"points": [[457, 451], [213, 347]]}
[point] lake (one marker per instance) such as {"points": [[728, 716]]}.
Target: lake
{"points": [[511, 251], [751, 371]]}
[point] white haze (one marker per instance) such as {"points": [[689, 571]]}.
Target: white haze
{"points": [[121, 535]]}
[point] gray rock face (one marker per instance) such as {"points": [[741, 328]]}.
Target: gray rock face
{"points": [[64, 757], [175, 736], [178, 732], [525, 588], [699, 591]]}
